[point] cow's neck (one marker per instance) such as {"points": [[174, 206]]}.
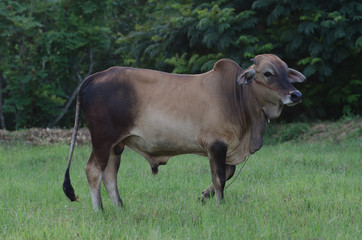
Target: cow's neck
{"points": [[243, 110], [255, 119]]}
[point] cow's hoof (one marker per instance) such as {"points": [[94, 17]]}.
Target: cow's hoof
{"points": [[202, 200], [204, 196]]}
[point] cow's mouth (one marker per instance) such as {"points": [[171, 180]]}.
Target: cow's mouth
{"points": [[291, 100], [292, 104]]}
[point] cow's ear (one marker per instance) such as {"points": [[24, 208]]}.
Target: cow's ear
{"points": [[246, 77], [295, 76]]}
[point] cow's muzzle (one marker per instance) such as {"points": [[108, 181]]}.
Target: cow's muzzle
{"points": [[296, 96]]}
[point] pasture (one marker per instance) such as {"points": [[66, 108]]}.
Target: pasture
{"points": [[290, 190]]}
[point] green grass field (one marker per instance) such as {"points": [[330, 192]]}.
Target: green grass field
{"points": [[293, 190]]}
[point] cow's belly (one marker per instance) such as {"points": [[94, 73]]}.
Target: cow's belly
{"points": [[161, 145], [164, 135]]}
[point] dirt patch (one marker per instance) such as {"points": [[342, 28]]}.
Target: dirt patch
{"points": [[45, 136], [335, 131]]}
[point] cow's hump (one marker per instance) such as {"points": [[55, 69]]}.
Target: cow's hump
{"points": [[224, 64]]}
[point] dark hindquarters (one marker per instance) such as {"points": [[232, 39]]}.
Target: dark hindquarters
{"points": [[110, 108]]}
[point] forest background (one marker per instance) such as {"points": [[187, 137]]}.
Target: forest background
{"points": [[48, 46]]}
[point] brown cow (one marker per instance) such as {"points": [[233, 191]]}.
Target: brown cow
{"points": [[221, 114]]}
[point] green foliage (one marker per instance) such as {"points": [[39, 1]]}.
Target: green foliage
{"points": [[46, 45], [321, 39], [46, 49], [283, 133]]}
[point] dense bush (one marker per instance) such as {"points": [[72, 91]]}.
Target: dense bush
{"points": [[321, 39], [47, 47]]}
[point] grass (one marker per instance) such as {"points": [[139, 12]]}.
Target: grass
{"points": [[292, 190]]}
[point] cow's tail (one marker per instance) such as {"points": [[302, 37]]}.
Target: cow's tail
{"points": [[67, 186]]}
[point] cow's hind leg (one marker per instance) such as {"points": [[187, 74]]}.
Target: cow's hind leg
{"points": [[94, 177], [110, 175], [210, 190]]}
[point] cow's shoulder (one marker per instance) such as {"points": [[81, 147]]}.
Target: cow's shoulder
{"points": [[225, 65]]}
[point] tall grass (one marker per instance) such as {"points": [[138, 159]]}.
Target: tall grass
{"points": [[286, 191]]}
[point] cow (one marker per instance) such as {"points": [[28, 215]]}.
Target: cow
{"points": [[221, 114]]}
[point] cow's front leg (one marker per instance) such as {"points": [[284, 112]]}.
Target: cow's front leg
{"points": [[217, 157], [210, 190]]}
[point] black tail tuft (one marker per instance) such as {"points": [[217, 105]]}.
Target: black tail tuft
{"points": [[67, 187]]}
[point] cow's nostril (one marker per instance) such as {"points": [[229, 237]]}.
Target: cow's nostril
{"points": [[296, 96]]}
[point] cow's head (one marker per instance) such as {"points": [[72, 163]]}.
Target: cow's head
{"points": [[271, 82]]}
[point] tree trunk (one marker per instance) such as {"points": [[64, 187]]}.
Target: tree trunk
{"points": [[2, 119]]}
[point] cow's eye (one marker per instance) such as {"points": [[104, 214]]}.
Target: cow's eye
{"points": [[268, 74]]}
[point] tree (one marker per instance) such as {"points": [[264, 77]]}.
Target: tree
{"points": [[45, 45], [2, 118], [46, 48]]}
